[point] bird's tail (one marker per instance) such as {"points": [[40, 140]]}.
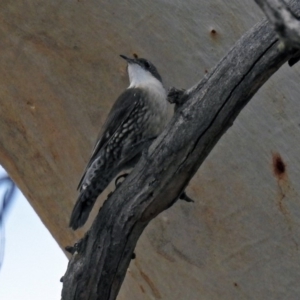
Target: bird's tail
{"points": [[86, 201]]}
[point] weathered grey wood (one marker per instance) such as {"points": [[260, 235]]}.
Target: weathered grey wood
{"points": [[98, 267], [285, 22]]}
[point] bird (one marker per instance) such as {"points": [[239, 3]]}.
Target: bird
{"points": [[136, 118]]}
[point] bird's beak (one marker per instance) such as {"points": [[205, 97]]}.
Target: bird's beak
{"points": [[129, 60]]}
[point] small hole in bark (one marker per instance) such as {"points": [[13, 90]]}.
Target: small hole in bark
{"points": [[279, 166]]}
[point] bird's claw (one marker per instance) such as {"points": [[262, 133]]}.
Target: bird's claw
{"points": [[176, 96], [117, 183]]}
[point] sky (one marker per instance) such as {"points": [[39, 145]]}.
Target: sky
{"points": [[33, 263]]}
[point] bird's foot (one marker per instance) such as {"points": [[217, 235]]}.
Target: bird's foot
{"points": [[176, 96], [117, 183], [185, 197]]}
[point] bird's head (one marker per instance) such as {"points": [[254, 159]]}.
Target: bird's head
{"points": [[141, 71]]}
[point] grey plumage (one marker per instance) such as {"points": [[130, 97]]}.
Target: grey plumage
{"points": [[137, 117]]}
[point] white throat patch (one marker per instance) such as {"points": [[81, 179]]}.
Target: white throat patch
{"points": [[139, 77]]}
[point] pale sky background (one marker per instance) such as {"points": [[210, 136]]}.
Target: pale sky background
{"points": [[33, 263]]}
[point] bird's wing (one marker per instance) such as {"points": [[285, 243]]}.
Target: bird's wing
{"points": [[116, 117]]}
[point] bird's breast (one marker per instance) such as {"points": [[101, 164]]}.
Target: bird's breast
{"points": [[160, 110]]}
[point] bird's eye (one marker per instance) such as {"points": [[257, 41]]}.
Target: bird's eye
{"points": [[147, 65]]}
